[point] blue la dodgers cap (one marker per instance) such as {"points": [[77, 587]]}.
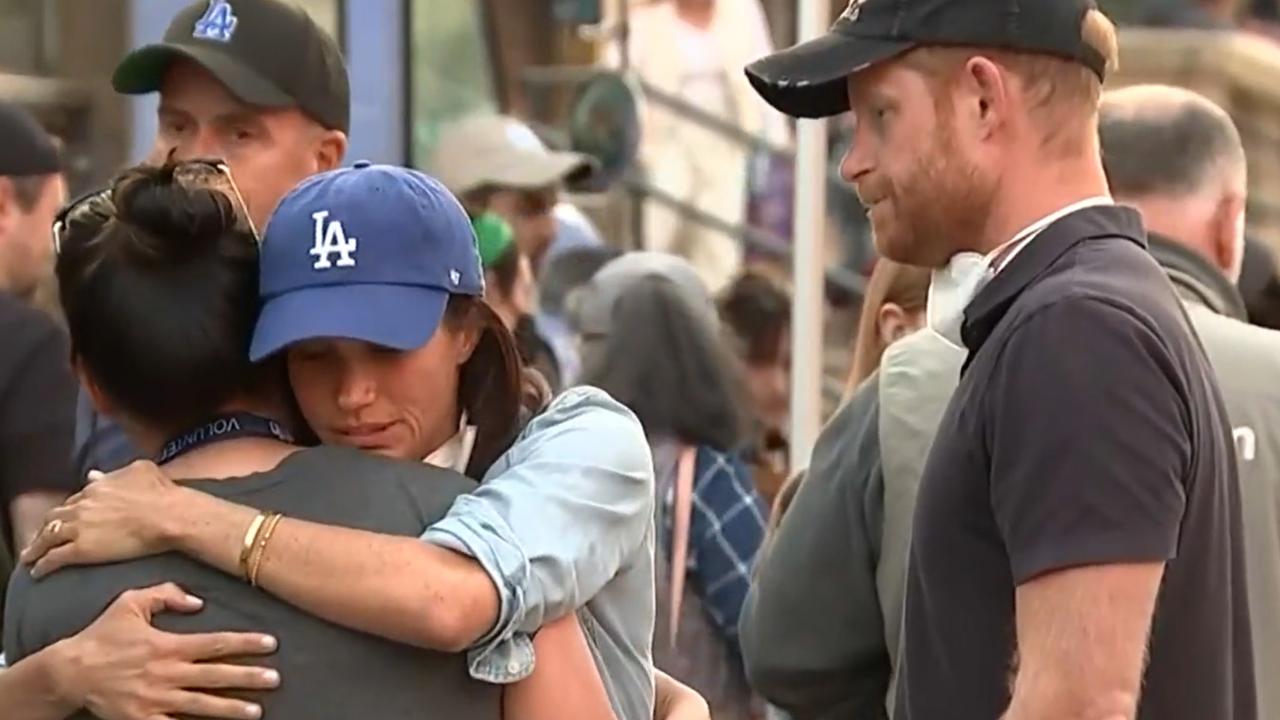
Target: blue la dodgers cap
{"points": [[370, 252]]}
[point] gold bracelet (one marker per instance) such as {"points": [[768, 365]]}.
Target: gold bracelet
{"points": [[255, 543], [250, 541], [268, 529]]}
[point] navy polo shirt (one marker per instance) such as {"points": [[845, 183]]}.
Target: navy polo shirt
{"points": [[1086, 429]]}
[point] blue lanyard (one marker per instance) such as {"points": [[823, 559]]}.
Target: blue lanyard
{"points": [[223, 427]]}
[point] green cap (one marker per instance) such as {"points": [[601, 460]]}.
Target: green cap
{"points": [[493, 237]]}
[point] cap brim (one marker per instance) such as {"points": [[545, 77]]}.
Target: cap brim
{"points": [[401, 317], [142, 71], [809, 79], [536, 171]]}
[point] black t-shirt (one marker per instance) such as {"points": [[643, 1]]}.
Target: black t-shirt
{"points": [[1086, 429], [37, 407], [326, 671]]}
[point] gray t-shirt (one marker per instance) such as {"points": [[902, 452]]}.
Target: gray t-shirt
{"points": [[326, 671]]}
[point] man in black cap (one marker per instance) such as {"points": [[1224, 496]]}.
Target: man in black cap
{"points": [[37, 390], [1077, 543], [257, 84]]}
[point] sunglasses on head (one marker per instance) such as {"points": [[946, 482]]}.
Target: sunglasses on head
{"points": [[197, 172]]}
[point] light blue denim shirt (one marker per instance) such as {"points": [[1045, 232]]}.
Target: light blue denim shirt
{"points": [[563, 522]]}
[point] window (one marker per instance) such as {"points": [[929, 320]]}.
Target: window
{"points": [[450, 69]]}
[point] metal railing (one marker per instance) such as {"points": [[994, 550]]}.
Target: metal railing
{"points": [[641, 190], [754, 238]]}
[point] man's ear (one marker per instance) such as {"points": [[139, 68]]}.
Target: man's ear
{"points": [[331, 148], [986, 94], [1228, 234]]}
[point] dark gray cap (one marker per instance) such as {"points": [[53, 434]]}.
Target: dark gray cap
{"points": [[591, 306], [27, 149]]}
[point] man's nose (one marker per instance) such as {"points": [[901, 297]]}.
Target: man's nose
{"points": [[856, 162]]}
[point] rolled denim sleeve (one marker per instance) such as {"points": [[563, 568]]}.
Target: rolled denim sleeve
{"points": [[553, 521]]}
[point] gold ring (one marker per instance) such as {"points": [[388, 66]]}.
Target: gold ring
{"points": [[53, 527]]}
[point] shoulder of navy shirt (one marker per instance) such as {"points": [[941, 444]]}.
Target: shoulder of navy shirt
{"points": [[993, 302]]}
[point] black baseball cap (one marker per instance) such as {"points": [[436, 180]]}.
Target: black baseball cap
{"points": [[808, 80], [27, 150], [267, 52]]}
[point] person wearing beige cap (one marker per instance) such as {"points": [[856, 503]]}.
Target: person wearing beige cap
{"points": [[496, 163]]}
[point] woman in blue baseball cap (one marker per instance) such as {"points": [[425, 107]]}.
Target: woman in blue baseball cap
{"points": [[157, 277], [372, 291]]}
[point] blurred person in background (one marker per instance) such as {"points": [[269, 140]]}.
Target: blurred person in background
{"points": [[1259, 284], [33, 189], [1177, 158], [564, 275], [576, 253], [179, 243], [830, 649], [651, 338], [574, 231], [509, 285], [37, 389], [498, 164], [440, 383], [512, 292], [256, 84], [695, 51], [757, 310], [893, 307]]}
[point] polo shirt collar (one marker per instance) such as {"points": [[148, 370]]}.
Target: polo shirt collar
{"points": [[954, 286], [1034, 258], [1004, 254]]}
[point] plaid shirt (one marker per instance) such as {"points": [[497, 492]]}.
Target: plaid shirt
{"points": [[726, 530]]}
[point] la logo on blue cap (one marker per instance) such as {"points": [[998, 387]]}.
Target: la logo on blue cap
{"points": [[330, 238], [218, 22]]}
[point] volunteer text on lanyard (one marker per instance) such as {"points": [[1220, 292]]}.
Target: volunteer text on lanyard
{"points": [[224, 427]]}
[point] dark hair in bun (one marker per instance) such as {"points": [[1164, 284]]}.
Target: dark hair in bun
{"points": [[158, 278], [173, 220]]}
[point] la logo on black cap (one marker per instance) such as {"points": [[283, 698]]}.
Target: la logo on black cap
{"points": [[852, 12], [217, 23]]}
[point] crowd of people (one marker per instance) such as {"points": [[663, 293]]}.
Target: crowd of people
{"points": [[318, 437]]}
